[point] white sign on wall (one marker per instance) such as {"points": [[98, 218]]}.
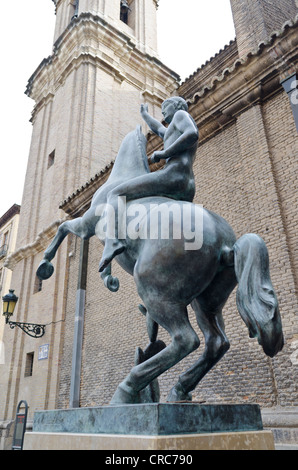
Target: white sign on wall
{"points": [[43, 352]]}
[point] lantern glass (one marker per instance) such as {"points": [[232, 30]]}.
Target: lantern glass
{"points": [[9, 303]]}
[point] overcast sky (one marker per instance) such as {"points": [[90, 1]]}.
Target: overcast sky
{"points": [[189, 33]]}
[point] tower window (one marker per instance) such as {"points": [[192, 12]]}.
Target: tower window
{"points": [[29, 364], [124, 11], [75, 6], [51, 159]]}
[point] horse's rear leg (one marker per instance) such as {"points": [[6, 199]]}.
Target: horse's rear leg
{"points": [[184, 340], [75, 226], [216, 345], [208, 309]]}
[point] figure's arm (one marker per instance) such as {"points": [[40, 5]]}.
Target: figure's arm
{"points": [[188, 138], [154, 125]]}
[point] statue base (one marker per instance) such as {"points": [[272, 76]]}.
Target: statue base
{"points": [[156, 426], [258, 440]]}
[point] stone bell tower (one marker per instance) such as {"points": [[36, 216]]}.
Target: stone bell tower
{"points": [[104, 65], [87, 97], [137, 18]]}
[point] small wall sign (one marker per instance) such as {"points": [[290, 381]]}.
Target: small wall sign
{"points": [[43, 352]]}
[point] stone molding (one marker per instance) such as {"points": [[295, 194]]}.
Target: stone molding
{"points": [[247, 82], [277, 45], [91, 39], [40, 243]]}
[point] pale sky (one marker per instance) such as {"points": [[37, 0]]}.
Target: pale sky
{"points": [[189, 33]]}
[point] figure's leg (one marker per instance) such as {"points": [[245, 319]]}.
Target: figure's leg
{"points": [[208, 309], [112, 246], [184, 340], [151, 184]]}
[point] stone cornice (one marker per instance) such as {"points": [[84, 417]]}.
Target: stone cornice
{"points": [[40, 243], [247, 82], [12, 211], [278, 45], [90, 38]]}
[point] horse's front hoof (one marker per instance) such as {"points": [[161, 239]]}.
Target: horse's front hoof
{"points": [[112, 283], [125, 395], [45, 270], [177, 394]]}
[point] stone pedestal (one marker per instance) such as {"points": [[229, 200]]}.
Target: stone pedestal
{"points": [[160, 426], [258, 440]]}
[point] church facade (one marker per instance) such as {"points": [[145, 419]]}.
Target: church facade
{"points": [[87, 98]]}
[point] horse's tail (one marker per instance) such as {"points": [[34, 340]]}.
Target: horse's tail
{"points": [[256, 300]]}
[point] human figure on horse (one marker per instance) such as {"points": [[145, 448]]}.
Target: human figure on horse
{"points": [[175, 181]]}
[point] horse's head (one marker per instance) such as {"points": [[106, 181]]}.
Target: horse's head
{"points": [[132, 159]]}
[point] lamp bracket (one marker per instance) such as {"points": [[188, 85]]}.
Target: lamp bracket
{"points": [[31, 329]]}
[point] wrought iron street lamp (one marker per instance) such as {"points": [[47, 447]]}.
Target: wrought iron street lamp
{"points": [[31, 329]]}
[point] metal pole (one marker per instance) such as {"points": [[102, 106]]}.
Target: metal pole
{"points": [[74, 400]]}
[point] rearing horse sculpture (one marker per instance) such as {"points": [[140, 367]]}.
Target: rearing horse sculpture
{"points": [[169, 278]]}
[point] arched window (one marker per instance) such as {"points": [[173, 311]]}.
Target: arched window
{"points": [[75, 8], [124, 11], [128, 13]]}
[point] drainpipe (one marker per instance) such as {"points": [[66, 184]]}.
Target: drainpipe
{"points": [[74, 400]]}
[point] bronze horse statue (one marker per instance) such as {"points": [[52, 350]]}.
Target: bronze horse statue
{"points": [[169, 278]]}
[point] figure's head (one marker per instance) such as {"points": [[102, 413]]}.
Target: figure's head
{"points": [[171, 106]]}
